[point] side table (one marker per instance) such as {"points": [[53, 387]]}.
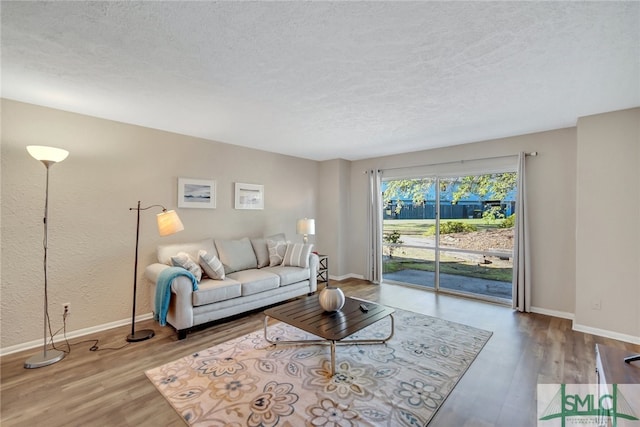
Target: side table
{"points": [[323, 269]]}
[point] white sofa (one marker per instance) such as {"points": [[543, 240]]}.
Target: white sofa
{"points": [[254, 277]]}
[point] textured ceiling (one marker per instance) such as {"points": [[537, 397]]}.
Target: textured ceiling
{"points": [[324, 80]]}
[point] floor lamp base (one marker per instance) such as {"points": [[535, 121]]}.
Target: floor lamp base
{"points": [[632, 358], [142, 335], [44, 359]]}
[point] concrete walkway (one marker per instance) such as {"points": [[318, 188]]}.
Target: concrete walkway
{"points": [[455, 282]]}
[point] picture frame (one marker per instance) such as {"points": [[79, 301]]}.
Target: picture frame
{"points": [[196, 193], [249, 196]]}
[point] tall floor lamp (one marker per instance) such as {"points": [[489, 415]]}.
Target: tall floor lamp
{"points": [[48, 156], [168, 223]]}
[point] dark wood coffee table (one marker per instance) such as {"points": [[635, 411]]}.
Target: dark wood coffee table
{"points": [[306, 314]]}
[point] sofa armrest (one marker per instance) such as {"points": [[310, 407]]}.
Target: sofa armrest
{"points": [[153, 271], [314, 263], [180, 314]]}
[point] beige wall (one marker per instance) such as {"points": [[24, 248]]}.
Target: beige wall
{"points": [[112, 165], [551, 180], [334, 204], [92, 232], [608, 224]]}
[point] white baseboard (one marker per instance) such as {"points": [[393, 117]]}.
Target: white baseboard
{"points": [[553, 313], [74, 334], [605, 333], [587, 329], [106, 326]]}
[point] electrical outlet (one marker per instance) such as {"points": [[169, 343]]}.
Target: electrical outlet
{"points": [[66, 309]]}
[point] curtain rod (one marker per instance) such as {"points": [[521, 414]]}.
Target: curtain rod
{"points": [[531, 154]]}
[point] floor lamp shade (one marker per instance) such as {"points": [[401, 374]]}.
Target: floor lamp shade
{"points": [[168, 223], [48, 156]]}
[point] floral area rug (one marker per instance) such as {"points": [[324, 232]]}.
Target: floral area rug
{"points": [[248, 382]]}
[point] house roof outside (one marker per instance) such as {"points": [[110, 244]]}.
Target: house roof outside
{"points": [[324, 80]]}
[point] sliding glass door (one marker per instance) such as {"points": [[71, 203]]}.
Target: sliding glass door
{"points": [[409, 213], [451, 233]]}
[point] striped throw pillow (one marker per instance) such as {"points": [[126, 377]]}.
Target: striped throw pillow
{"points": [[211, 265], [184, 260], [297, 255]]}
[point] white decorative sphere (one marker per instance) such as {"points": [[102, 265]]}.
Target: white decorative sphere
{"points": [[331, 299]]}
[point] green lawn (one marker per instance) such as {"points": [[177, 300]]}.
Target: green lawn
{"points": [[409, 227], [424, 259], [419, 226]]}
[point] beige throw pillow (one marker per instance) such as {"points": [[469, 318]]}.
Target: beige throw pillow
{"points": [[262, 252], [236, 255]]}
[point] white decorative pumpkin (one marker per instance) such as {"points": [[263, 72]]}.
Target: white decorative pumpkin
{"points": [[331, 299]]}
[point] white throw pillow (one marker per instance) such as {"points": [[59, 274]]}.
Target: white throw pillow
{"points": [[277, 249], [297, 255], [184, 260], [211, 265]]}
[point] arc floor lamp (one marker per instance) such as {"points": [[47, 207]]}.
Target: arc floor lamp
{"points": [[48, 156], [168, 223]]}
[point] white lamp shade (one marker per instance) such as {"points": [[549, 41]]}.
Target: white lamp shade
{"points": [[169, 223], [47, 154], [306, 226]]}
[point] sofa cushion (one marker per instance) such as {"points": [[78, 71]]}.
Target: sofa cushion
{"points": [[165, 252], [290, 275], [254, 281], [297, 255], [211, 265], [182, 259], [210, 291], [236, 255], [277, 249], [262, 252]]}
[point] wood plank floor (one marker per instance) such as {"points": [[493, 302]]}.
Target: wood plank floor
{"points": [[109, 388]]}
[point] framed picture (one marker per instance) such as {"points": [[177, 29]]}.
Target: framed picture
{"points": [[249, 196], [196, 193]]}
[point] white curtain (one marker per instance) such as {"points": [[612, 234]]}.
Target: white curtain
{"points": [[374, 228], [521, 253]]}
